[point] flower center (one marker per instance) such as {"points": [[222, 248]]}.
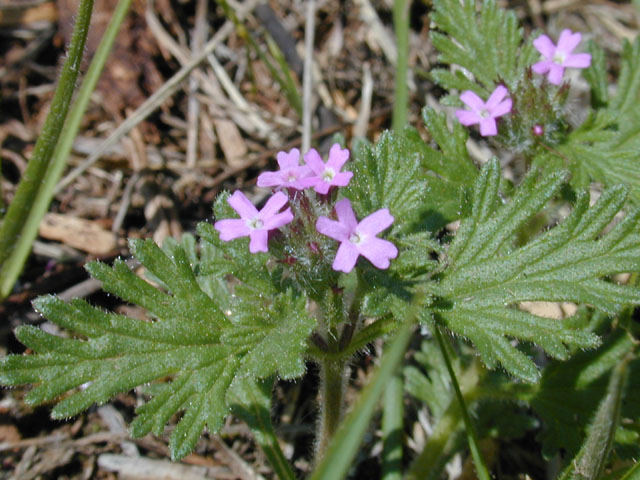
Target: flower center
{"points": [[484, 113], [328, 174], [355, 238], [291, 177], [559, 58], [255, 223]]}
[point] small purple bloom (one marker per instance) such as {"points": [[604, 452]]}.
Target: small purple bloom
{"points": [[358, 238], [326, 175], [253, 223], [484, 113], [557, 58], [290, 173]]}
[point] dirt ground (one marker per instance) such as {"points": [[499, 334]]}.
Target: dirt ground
{"points": [[217, 130]]}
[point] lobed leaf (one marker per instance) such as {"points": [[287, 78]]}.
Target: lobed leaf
{"points": [[486, 277], [486, 43], [190, 346]]}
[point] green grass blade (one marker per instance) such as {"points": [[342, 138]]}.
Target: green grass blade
{"points": [[31, 183], [401, 26], [342, 450], [481, 468], [392, 428]]}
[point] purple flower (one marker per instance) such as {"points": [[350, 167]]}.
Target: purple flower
{"points": [[557, 58], [289, 174], [358, 238], [484, 113], [253, 223], [326, 175]]}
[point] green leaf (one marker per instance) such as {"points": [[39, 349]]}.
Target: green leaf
{"points": [[569, 394], [251, 401], [188, 342], [591, 460], [423, 187], [605, 147], [486, 277], [487, 43]]}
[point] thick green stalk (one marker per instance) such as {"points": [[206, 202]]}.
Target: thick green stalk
{"points": [[339, 456], [401, 27], [14, 240], [332, 386], [481, 468]]}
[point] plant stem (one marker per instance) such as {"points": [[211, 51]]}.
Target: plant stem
{"points": [[401, 27], [441, 442], [332, 385], [392, 428], [481, 468], [34, 175], [339, 457]]}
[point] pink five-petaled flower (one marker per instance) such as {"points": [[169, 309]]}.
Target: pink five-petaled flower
{"points": [[253, 223], [358, 238], [557, 58], [289, 174], [484, 113], [326, 175]]}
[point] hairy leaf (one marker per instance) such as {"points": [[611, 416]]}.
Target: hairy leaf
{"points": [[187, 338], [486, 43], [486, 278], [605, 147]]}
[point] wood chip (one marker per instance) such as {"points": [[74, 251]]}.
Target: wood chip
{"points": [[79, 233], [139, 468], [231, 141]]}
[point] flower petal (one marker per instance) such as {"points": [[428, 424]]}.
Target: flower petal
{"points": [[337, 157], [502, 108], [346, 257], [568, 41], [332, 229], [278, 220], [542, 67], [270, 179], [321, 187], [472, 100], [273, 205], [545, 46], [496, 97], [375, 223], [231, 228], [378, 252], [242, 205], [342, 179], [313, 159], [346, 215], [579, 60], [556, 72], [259, 241], [288, 160], [488, 127], [467, 117]]}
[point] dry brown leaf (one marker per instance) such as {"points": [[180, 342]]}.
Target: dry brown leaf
{"points": [[85, 235]]}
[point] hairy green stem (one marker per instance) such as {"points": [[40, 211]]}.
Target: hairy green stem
{"points": [[13, 266], [332, 386], [34, 175]]}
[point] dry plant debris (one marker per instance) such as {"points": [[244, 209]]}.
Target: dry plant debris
{"points": [[214, 130]]}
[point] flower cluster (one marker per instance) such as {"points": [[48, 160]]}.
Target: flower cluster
{"points": [[555, 59], [356, 238]]}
